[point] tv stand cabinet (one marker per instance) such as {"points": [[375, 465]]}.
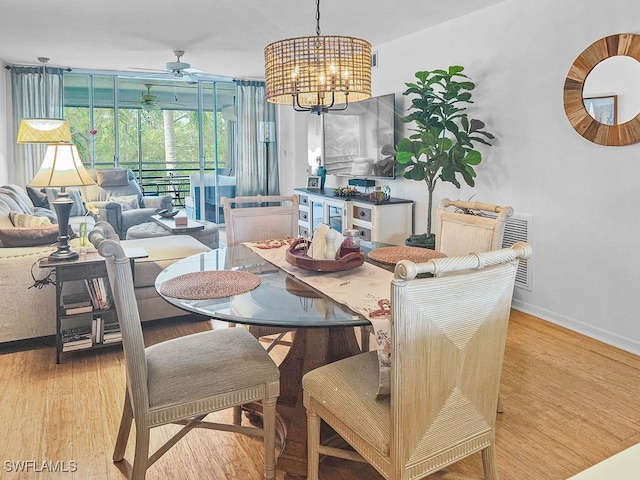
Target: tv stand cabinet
{"points": [[390, 221]]}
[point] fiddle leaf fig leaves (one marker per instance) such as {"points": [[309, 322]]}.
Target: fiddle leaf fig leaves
{"points": [[443, 145]]}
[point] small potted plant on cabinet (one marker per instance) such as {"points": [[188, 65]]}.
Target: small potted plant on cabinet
{"points": [[444, 143]]}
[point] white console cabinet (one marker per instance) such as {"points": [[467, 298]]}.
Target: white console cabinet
{"points": [[390, 221]]}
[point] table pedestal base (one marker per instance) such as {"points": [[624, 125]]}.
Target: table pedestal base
{"points": [[311, 348]]}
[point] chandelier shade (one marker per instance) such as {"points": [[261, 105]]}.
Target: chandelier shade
{"points": [[318, 71], [315, 73], [43, 130]]}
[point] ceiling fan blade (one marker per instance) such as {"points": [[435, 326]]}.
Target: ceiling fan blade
{"points": [[145, 69]]}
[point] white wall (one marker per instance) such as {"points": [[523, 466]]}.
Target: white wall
{"points": [[4, 124], [581, 195]]}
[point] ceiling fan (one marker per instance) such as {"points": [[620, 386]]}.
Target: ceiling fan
{"points": [[178, 69], [182, 71], [148, 101]]}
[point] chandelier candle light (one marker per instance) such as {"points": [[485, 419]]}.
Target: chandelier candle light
{"points": [[314, 74]]}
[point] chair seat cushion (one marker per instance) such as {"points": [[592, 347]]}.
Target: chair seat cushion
{"points": [[206, 364], [352, 397]]}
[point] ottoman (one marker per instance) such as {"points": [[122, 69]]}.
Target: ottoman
{"points": [[208, 235]]}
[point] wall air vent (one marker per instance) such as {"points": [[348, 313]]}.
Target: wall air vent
{"points": [[519, 228], [374, 59]]}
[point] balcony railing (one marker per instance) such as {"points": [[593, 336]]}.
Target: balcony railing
{"points": [[163, 181]]}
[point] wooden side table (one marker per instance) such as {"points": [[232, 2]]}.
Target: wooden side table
{"points": [[88, 266]]}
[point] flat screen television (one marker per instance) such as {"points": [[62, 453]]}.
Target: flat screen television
{"points": [[360, 141]]}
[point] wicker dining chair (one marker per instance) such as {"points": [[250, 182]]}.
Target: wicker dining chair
{"points": [[182, 380], [261, 220], [465, 227], [448, 335], [249, 219]]}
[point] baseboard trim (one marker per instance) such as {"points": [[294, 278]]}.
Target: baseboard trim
{"points": [[590, 331]]}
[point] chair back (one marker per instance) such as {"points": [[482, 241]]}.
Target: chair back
{"points": [[111, 182], [106, 240], [459, 233], [258, 222], [448, 341]]}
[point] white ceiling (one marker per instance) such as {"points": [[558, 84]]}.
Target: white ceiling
{"points": [[224, 37]]}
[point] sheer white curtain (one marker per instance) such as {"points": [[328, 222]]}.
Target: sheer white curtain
{"points": [[35, 94], [256, 168]]}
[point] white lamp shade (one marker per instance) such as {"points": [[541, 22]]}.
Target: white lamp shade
{"points": [[61, 167], [43, 130]]}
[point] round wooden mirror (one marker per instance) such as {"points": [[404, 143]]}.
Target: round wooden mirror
{"points": [[615, 135]]}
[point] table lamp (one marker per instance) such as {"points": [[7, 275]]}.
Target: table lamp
{"points": [[62, 167], [43, 130]]}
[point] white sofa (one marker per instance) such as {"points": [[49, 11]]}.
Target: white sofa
{"points": [[30, 312]]}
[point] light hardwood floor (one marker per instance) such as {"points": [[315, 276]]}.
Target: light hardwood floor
{"points": [[569, 402]]}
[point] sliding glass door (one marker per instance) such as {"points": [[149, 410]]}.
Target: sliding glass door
{"points": [[177, 136]]}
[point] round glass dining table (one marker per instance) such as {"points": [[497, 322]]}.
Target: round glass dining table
{"points": [[323, 329], [280, 300]]}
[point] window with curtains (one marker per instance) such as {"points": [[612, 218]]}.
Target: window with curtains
{"points": [[164, 130], [177, 135]]}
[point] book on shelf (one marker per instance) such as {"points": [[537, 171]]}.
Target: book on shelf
{"points": [[96, 329], [77, 341], [67, 347], [112, 326], [76, 300], [96, 287], [92, 293], [105, 291], [73, 331], [112, 333], [100, 293], [76, 338], [76, 310]]}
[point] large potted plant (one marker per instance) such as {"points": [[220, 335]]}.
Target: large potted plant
{"points": [[444, 143]]}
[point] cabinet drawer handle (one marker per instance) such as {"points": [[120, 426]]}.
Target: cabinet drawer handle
{"points": [[304, 217], [362, 214]]}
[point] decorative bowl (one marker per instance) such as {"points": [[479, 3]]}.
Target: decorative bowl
{"points": [[169, 214], [297, 256]]}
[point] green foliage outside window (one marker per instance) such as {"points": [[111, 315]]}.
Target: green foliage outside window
{"points": [[164, 139]]}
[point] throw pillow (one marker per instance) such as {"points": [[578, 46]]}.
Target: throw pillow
{"points": [[24, 220], [29, 237], [77, 209], [112, 177], [38, 197], [128, 202], [45, 212]]}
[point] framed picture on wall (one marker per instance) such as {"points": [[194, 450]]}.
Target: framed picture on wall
{"points": [[313, 183], [604, 109]]}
